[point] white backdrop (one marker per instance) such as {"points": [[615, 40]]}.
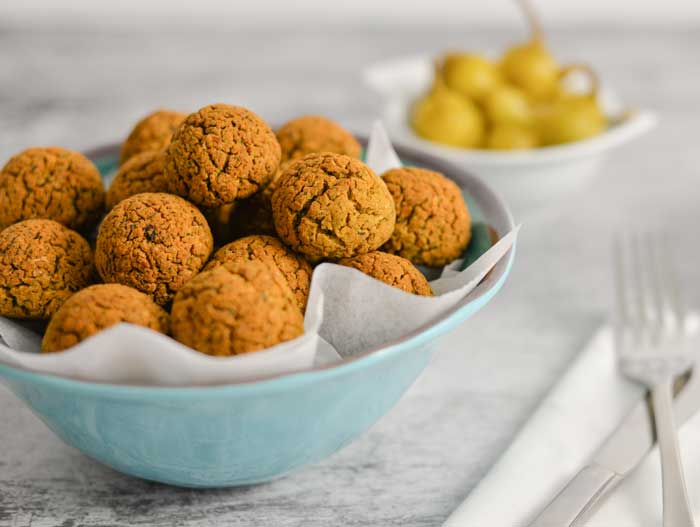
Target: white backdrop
{"points": [[342, 13]]}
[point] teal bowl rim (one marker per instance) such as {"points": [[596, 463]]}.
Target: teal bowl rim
{"points": [[428, 332]]}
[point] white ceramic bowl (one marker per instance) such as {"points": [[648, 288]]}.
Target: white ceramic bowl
{"points": [[527, 179]]}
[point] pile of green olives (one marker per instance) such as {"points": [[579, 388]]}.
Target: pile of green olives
{"points": [[517, 102]]}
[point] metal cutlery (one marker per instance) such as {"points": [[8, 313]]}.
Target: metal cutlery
{"points": [[635, 436], [651, 343]]}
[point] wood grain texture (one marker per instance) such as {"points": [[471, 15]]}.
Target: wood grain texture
{"points": [[80, 89]]}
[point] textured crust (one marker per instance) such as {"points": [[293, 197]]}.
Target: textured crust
{"points": [[433, 226], [51, 183], [313, 133], [141, 173], [98, 307], [236, 308], [153, 243], [392, 270], [272, 252], [332, 206], [152, 133], [220, 154], [42, 263]]}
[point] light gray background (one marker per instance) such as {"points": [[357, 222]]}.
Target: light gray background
{"points": [[78, 88]]}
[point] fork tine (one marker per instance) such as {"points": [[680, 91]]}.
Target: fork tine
{"points": [[674, 311], [645, 307], [638, 289], [656, 288], [639, 272]]}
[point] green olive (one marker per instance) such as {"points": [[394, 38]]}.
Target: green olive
{"points": [[508, 105], [531, 68], [571, 118], [511, 137], [447, 117], [470, 75]]}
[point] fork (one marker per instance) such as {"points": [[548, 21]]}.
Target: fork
{"points": [[650, 340]]}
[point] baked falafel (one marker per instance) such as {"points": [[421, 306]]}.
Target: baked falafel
{"points": [[220, 154], [50, 183], [392, 270], [433, 225], [270, 251], [153, 242], [236, 308], [42, 263], [330, 206], [97, 308]]}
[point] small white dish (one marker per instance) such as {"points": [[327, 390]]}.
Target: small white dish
{"points": [[527, 179]]}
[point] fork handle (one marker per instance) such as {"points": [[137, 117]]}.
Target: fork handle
{"points": [[675, 496]]}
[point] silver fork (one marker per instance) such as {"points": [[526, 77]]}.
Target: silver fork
{"points": [[650, 339]]}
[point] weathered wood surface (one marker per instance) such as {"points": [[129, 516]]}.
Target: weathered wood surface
{"points": [[420, 461]]}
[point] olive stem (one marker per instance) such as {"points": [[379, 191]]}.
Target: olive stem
{"points": [[533, 20], [438, 81]]}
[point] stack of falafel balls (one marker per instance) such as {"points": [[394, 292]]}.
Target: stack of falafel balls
{"points": [[275, 205]]}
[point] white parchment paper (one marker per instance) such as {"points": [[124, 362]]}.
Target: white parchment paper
{"points": [[348, 312]]}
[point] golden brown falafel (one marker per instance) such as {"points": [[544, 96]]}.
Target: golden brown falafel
{"points": [[270, 251], [313, 133], [97, 308], [51, 183], [332, 206], [42, 263], [152, 133], [153, 242], [433, 225], [221, 153], [141, 173], [392, 270], [236, 308], [298, 137]]}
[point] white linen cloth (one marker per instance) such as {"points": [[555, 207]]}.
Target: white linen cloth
{"points": [[586, 405]]}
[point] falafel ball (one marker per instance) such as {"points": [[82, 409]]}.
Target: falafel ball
{"points": [[221, 153], [314, 133], [433, 226], [97, 308], [272, 252], [392, 270], [152, 133], [141, 173], [298, 137], [153, 242], [51, 183], [42, 263], [236, 308], [332, 206]]}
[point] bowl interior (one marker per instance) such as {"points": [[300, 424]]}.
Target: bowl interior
{"points": [[485, 206]]}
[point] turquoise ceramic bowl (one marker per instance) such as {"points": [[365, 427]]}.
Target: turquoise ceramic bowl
{"points": [[246, 433]]}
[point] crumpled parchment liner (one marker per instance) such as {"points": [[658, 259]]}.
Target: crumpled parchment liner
{"points": [[348, 312]]}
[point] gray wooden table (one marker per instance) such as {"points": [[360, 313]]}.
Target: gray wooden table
{"points": [[81, 89]]}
